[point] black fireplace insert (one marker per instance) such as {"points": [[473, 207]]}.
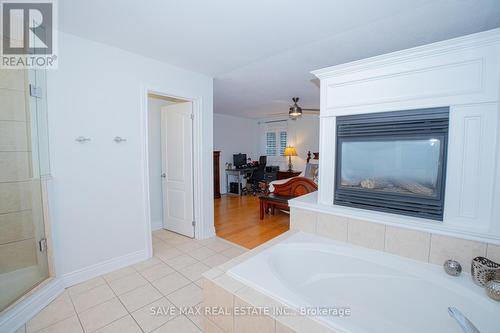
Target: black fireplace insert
{"points": [[393, 162]]}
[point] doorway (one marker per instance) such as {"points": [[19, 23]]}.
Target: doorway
{"points": [[170, 149]]}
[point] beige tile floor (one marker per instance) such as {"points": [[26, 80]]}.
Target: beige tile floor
{"points": [[121, 301]]}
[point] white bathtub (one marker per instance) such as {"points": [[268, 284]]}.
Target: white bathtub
{"points": [[385, 293]]}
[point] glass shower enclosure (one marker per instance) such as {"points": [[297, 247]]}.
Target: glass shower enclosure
{"points": [[24, 162]]}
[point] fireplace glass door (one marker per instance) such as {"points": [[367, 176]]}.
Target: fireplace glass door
{"points": [[401, 166], [393, 162]]}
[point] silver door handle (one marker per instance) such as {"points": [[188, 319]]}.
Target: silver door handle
{"points": [[164, 175]]}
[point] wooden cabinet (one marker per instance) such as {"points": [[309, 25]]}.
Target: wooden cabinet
{"points": [[216, 174], [287, 174]]}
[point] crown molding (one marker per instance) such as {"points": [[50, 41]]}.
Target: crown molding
{"points": [[451, 45]]}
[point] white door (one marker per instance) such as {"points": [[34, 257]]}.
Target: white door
{"points": [[177, 168]]}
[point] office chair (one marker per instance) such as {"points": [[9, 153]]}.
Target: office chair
{"points": [[257, 176]]}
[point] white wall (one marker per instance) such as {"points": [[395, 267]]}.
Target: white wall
{"points": [[233, 135], [98, 195], [155, 160], [303, 134]]}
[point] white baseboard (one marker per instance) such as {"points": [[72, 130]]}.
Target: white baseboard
{"points": [[156, 225], [104, 267], [20, 313]]}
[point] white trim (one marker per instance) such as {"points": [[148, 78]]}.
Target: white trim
{"points": [[16, 316], [103, 267], [145, 159], [419, 52], [12, 318], [310, 202], [202, 230]]}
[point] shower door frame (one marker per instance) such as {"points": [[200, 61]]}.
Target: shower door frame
{"points": [[43, 292]]}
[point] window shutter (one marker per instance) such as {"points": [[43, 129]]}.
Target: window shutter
{"points": [[271, 144], [283, 139]]}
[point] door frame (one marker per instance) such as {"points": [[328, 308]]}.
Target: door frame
{"points": [[197, 158]]}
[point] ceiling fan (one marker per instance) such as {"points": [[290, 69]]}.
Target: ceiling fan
{"points": [[296, 111]]}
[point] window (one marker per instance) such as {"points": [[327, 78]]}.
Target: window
{"points": [[276, 141], [271, 143]]}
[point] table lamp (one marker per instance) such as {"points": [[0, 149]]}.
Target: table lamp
{"points": [[290, 151]]}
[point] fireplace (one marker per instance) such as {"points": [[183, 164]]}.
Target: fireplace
{"points": [[393, 162]]}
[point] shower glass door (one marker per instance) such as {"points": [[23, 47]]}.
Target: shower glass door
{"points": [[23, 163]]}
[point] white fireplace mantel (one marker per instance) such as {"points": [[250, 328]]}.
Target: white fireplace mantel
{"points": [[462, 73]]}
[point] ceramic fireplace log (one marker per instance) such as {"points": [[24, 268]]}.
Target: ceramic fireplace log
{"points": [[414, 187], [386, 183], [374, 183]]}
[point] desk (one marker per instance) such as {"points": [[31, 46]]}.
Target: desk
{"points": [[239, 174]]}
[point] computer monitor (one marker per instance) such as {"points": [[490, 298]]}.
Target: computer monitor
{"points": [[239, 160]]}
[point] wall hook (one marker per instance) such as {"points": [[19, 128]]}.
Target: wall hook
{"points": [[118, 139], [82, 139]]}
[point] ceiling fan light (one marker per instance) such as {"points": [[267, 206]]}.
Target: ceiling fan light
{"points": [[295, 111]]}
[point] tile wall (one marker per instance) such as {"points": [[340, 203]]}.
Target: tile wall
{"points": [[418, 245]]}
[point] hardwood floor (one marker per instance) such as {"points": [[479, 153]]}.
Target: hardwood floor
{"points": [[237, 220]]}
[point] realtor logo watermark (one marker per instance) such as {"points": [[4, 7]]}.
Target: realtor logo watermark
{"points": [[29, 34]]}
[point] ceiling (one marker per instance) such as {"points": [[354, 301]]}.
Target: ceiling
{"points": [[260, 52]]}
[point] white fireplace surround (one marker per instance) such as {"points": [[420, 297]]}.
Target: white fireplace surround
{"points": [[462, 73]]}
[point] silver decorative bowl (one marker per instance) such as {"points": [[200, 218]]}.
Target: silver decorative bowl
{"points": [[452, 267], [492, 288], [484, 270]]}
